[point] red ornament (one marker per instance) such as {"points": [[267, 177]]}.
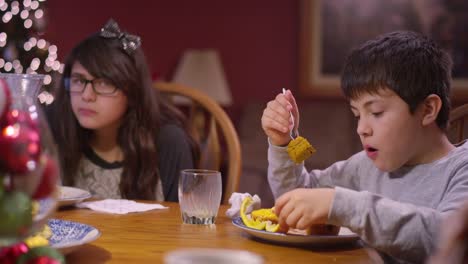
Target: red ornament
{"points": [[5, 257], [15, 116], [21, 148], [19, 249], [43, 260], [10, 254], [48, 179], [5, 98]]}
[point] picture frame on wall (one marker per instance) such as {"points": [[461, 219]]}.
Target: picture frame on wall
{"points": [[331, 29]]}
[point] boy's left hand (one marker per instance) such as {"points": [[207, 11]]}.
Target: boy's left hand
{"points": [[301, 208]]}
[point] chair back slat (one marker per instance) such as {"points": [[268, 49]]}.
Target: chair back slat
{"points": [[212, 128], [458, 129]]}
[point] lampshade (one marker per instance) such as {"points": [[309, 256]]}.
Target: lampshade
{"points": [[202, 70]]}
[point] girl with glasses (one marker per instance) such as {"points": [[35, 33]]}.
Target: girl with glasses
{"points": [[116, 136]]}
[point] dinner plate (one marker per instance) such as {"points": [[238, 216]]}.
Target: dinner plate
{"points": [[344, 236], [68, 235], [71, 195], [46, 207]]}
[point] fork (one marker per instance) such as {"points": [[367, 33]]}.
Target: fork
{"points": [[292, 133]]}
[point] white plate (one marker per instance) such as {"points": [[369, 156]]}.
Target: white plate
{"points": [[46, 207], [344, 236], [211, 255], [68, 236], [71, 195]]}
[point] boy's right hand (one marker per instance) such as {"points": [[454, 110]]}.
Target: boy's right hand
{"points": [[276, 119], [301, 208]]}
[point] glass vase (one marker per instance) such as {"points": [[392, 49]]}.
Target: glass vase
{"points": [[29, 168]]}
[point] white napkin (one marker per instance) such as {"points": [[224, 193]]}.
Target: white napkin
{"points": [[119, 206], [236, 200]]}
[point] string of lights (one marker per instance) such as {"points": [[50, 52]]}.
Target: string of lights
{"points": [[22, 48]]}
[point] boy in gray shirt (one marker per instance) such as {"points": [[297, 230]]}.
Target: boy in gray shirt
{"points": [[396, 191]]}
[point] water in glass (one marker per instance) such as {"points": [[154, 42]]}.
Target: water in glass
{"points": [[199, 195]]}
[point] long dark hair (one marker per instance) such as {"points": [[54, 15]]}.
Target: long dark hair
{"points": [[146, 113]]}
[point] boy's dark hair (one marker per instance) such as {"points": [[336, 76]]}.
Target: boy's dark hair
{"points": [[410, 64]]}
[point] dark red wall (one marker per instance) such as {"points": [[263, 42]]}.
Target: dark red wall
{"points": [[257, 40]]}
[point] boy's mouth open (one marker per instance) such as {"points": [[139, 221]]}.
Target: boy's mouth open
{"points": [[371, 152]]}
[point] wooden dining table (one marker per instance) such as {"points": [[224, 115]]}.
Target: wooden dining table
{"points": [[146, 237]]}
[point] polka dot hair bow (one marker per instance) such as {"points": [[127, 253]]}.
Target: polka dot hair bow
{"points": [[129, 42]]}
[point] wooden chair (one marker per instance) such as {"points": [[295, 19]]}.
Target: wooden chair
{"points": [[214, 131], [458, 128]]}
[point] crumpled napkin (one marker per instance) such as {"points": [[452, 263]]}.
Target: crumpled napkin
{"points": [[119, 206], [236, 200]]}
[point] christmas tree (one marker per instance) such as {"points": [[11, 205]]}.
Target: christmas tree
{"points": [[22, 48]]}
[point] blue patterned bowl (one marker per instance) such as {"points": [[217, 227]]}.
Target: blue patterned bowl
{"points": [[68, 236]]}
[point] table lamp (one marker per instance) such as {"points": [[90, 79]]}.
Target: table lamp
{"points": [[203, 70]]}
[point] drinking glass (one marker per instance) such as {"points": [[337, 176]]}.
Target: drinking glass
{"points": [[199, 195]]}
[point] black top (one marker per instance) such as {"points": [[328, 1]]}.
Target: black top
{"points": [[174, 152]]}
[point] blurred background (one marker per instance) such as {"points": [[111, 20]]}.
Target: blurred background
{"points": [[260, 47], [256, 40]]}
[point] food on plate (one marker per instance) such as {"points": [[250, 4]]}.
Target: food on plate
{"points": [[319, 229], [325, 230], [266, 219], [268, 216], [247, 219], [34, 208], [299, 149], [265, 214], [39, 239]]}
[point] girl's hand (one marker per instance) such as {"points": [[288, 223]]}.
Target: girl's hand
{"points": [[276, 119], [301, 208]]}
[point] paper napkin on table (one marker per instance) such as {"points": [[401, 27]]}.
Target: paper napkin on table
{"points": [[119, 206], [236, 200]]}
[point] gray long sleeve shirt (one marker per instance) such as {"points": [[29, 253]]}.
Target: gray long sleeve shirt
{"points": [[398, 213]]}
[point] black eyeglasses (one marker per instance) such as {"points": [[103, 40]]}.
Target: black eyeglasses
{"points": [[100, 86]]}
